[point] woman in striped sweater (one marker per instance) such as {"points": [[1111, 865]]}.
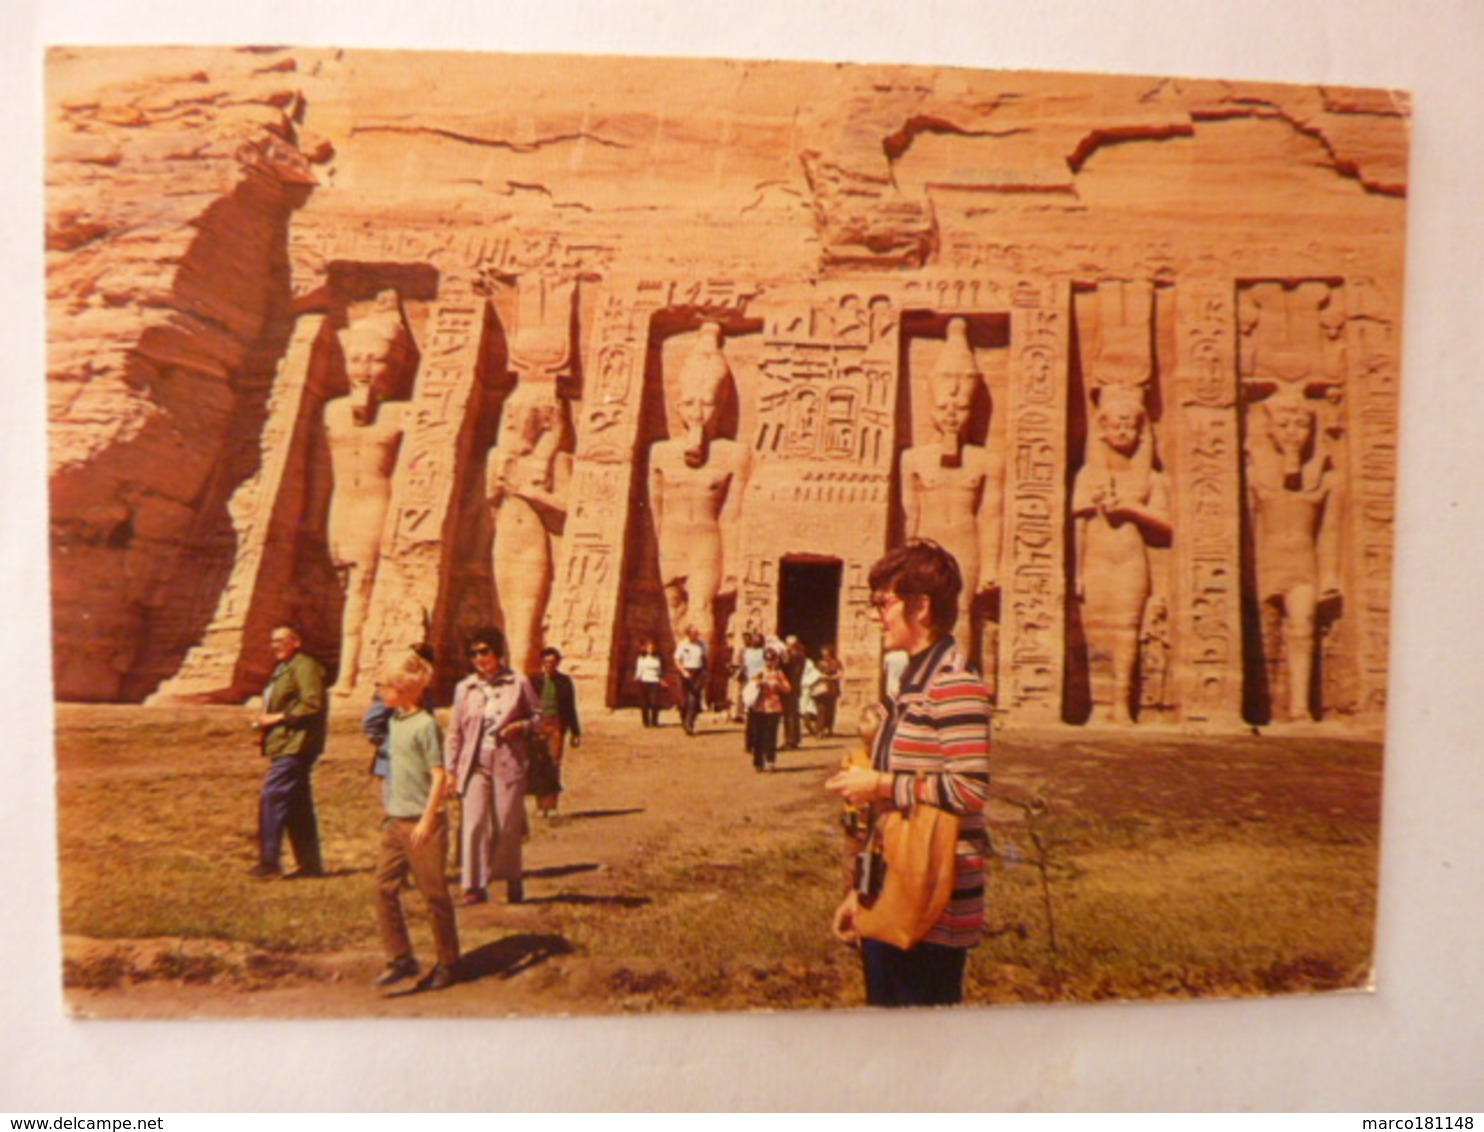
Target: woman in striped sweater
{"points": [[932, 748]]}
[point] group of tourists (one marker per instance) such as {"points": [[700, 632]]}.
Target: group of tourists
{"points": [[927, 753], [769, 684], [506, 737]]}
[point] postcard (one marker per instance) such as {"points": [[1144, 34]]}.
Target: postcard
{"points": [[552, 535]]}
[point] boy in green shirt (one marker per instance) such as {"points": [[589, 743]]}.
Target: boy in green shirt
{"points": [[415, 834]]}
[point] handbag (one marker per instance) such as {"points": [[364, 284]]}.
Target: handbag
{"points": [[913, 856], [543, 775]]}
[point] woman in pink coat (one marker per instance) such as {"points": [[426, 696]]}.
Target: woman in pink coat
{"points": [[495, 710]]}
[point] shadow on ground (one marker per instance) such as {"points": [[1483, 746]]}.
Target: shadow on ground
{"points": [[551, 871], [508, 957]]}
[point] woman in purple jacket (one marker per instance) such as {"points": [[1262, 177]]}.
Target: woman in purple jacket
{"points": [[494, 712]]}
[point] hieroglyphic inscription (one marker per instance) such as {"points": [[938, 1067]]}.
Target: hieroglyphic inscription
{"points": [[580, 618], [584, 600], [1033, 613], [471, 256], [1208, 508], [828, 381], [425, 490], [823, 446], [955, 294], [1374, 352]]}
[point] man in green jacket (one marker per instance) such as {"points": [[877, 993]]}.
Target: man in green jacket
{"points": [[292, 727]]}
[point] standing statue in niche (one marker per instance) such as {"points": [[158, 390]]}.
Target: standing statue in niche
{"points": [[696, 483], [363, 436], [1120, 504], [527, 477], [948, 492], [1294, 537]]}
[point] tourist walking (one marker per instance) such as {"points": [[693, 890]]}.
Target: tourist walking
{"points": [[558, 720], [291, 729], [767, 711], [495, 711], [649, 674], [690, 659], [414, 836], [827, 689], [793, 661]]}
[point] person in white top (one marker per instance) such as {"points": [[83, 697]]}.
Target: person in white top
{"points": [[649, 672], [690, 658]]}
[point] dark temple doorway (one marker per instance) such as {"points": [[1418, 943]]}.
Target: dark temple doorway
{"points": [[809, 599]]}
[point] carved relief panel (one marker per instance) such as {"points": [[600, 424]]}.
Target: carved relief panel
{"points": [[1033, 601], [1372, 351], [677, 427], [1118, 619], [1207, 457], [950, 470], [1292, 367]]}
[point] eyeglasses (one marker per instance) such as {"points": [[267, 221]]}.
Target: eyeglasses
{"points": [[882, 602], [481, 650]]}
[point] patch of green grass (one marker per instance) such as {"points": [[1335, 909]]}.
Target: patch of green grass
{"points": [[752, 931], [157, 844], [1082, 912]]}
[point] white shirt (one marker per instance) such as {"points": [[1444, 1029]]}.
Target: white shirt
{"points": [[690, 655]]}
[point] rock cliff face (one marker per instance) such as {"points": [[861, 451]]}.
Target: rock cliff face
{"points": [[169, 196], [553, 235]]}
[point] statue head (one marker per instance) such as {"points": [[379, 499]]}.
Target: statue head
{"points": [[698, 398], [699, 395], [952, 383], [1120, 417], [374, 348], [1290, 423]]}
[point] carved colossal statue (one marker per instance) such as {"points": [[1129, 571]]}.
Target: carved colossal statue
{"points": [[1294, 536], [363, 436], [948, 490], [696, 483], [1120, 504], [527, 478]]}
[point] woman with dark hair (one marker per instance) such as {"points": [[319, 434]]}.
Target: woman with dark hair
{"points": [[495, 711], [931, 749], [767, 711], [649, 673]]}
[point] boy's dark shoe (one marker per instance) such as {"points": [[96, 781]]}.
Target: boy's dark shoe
{"points": [[311, 873], [402, 967], [473, 896], [264, 872], [439, 978]]}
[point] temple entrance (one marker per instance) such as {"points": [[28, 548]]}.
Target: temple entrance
{"points": [[809, 599]]}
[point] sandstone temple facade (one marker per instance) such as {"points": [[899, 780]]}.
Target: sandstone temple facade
{"points": [[393, 345]]}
